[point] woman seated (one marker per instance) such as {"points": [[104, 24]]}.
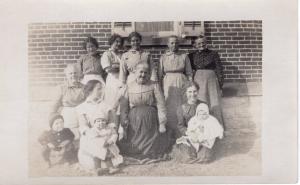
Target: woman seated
{"points": [[143, 114], [92, 105], [68, 96], [196, 146]]}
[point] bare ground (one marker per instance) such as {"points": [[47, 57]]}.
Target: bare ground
{"points": [[238, 154]]}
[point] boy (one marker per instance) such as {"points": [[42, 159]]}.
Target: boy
{"points": [[57, 142]]}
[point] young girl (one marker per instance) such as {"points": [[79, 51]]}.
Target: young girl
{"points": [[202, 131], [134, 56], [102, 145], [110, 62], [57, 142], [90, 63]]}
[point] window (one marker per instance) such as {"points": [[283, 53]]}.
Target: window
{"points": [[156, 33]]}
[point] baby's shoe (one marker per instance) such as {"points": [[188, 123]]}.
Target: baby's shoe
{"points": [[113, 170], [102, 171]]}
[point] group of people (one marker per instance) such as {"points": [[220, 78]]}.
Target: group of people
{"points": [[119, 107]]}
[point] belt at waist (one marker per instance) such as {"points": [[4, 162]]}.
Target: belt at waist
{"points": [[172, 72], [92, 73]]}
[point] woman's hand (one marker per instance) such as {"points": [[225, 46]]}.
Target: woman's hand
{"points": [[162, 128], [64, 143], [50, 145]]}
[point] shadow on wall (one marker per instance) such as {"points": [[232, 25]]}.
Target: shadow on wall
{"points": [[236, 88]]}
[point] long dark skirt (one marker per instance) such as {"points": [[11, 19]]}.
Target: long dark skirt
{"points": [[210, 92], [187, 154], [143, 138]]}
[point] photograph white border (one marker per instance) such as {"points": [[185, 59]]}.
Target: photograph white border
{"points": [[279, 129]]}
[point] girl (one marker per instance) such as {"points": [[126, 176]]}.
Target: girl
{"points": [[102, 145], [110, 62], [90, 65], [134, 56]]}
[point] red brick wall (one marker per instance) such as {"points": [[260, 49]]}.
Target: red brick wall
{"points": [[53, 45]]}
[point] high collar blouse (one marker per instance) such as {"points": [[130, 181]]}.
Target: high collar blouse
{"points": [[207, 60], [174, 62], [68, 95], [110, 58], [184, 113], [149, 94], [129, 61], [90, 64]]}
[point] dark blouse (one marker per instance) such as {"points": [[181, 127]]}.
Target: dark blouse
{"points": [[184, 113], [90, 64], [56, 138], [207, 59]]}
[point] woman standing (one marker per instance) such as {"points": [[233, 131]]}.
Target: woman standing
{"points": [[90, 65], [209, 76], [143, 111], [110, 62], [68, 96], [131, 58], [174, 71]]}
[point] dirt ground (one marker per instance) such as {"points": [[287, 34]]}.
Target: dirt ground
{"points": [[238, 154]]}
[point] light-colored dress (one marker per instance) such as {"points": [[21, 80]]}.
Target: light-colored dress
{"points": [[174, 71], [112, 60], [85, 113], [144, 107], [129, 61], [95, 146], [203, 132], [67, 97]]}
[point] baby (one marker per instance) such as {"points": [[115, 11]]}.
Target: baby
{"points": [[102, 144], [202, 129], [57, 142]]}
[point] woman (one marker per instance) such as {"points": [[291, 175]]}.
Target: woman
{"points": [[134, 56], [182, 152], [89, 63], [67, 97], [174, 71], [143, 112], [188, 109], [209, 76], [110, 62], [86, 111]]}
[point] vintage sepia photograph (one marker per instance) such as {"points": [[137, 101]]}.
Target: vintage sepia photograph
{"points": [[153, 98]]}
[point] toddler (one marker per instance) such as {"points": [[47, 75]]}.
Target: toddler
{"points": [[57, 142]]}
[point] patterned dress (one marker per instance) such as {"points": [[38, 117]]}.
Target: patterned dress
{"points": [[129, 61], [174, 71], [209, 77], [144, 107]]}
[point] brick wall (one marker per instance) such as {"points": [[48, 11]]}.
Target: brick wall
{"points": [[53, 45]]}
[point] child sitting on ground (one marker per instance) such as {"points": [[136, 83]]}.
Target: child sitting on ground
{"points": [[57, 142], [101, 144]]}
